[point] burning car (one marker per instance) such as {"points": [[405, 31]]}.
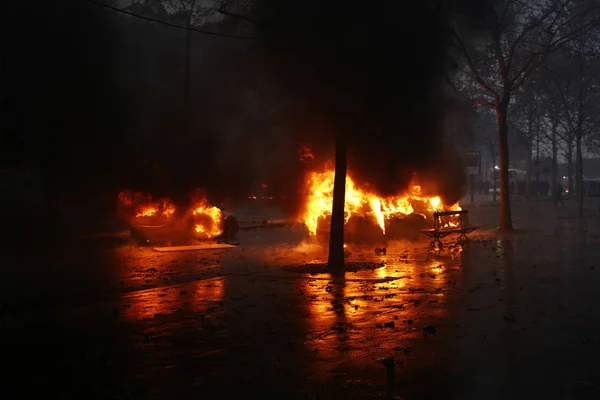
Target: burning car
{"points": [[364, 230], [370, 219], [358, 229], [160, 221]]}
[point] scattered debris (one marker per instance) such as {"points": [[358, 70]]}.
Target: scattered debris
{"points": [[195, 247], [382, 250], [429, 330]]}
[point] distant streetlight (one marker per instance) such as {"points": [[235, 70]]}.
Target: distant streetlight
{"points": [[496, 167]]}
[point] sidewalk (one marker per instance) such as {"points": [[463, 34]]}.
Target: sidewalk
{"points": [[482, 200], [505, 316]]}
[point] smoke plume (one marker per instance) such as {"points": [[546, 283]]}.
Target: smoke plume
{"points": [[372, 75]]}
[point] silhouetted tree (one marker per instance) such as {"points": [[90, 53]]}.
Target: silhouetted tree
{"points": [[577, 87], [513, 38]]}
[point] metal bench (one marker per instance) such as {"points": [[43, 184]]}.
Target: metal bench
{"points": [[442, 227]]}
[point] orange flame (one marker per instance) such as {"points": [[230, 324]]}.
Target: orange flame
{"points": [[141, 205], [361, 202], [162, 208], [208, 220]]}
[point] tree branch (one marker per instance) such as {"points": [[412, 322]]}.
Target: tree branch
{"points": [[502, 67], [479, 101], [507, 5], [472, 66], [520, 37], [199, 30], [222, 10]]}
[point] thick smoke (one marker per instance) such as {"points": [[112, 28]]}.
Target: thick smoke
{"points": [[318, 69], [235, 138], [373, 75], [94, 99]]}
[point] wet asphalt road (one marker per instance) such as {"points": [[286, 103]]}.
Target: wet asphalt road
{"points": [[508, 317]]}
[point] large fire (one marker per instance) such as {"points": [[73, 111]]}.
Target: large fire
{"points": [[207, 220], [319, 201], [143, 206], [162, 207]]}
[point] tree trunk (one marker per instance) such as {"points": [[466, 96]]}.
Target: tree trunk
{"points": [[494, 175], [537, 161], [336, 234], [579, 171], [570, 165], [578, 138], [505, 212], [554, 170], [529, 171]]}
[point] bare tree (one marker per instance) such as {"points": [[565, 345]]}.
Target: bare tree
{"points": [[515, 39], [526, 121], [550, 117], [336, 235], [577, 86], [486, 141]]}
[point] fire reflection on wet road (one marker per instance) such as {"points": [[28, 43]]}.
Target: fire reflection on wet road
{"points": [[260, 325], [356, 321], [470, 324], [147, 304]]}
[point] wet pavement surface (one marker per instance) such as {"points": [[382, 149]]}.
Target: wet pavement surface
{"points": [[512, 316]]}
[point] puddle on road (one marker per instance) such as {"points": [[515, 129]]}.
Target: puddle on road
{"points": [[194, 297], [320, 324], [361, 320]]}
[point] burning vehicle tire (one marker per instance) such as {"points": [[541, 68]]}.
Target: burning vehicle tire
{"points": [[231, 227], [226, 227]]}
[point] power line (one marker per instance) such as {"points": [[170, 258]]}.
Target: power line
{"points": [[199, 30]]}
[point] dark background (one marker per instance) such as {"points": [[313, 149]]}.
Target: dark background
{"points": [[84, 115]]}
